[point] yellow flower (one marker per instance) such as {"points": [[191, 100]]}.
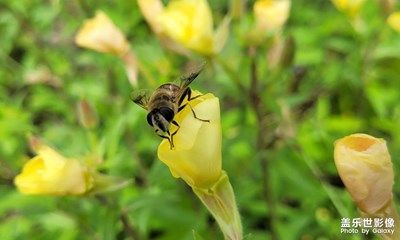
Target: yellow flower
{"points": [[52, 174], [196, 156], [100, 34], [187, 22], [349, 7], [271, 15], [394, 21], [365, 167], [190, 23]]}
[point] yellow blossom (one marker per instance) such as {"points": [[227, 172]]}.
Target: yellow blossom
{"points": [[53, 174], [349, 7], [271, 15], [365, 167], [196, 156], [190, 23], [186, 22], [100, 34], [394, 21]]}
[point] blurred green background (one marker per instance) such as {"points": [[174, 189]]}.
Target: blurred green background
{"points": [[340, 81]]}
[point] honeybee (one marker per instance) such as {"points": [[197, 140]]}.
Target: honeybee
{"points": [[164, 103]]}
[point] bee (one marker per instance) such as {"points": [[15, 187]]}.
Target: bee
{"points": [[164, 103]]}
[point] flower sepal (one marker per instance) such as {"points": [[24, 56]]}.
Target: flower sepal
{"points": [[106, 183], [389, 213], [220, 201]]}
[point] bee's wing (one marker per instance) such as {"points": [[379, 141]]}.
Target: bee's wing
{"points": [[186, 80], [141, 97]]}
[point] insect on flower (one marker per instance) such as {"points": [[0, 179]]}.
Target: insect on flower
{"points": [[165, 102]]}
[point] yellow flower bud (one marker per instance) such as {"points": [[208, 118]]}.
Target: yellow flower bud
{"points": [[365, 167], [190, 23], [52, 174], [271, 15], [196, 156], [394, 21], [100, 34], [349, 7]]}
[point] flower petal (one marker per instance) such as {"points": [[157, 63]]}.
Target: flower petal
{"points": [[190, 23], [349, 7], [196, 157], [53, 174], [149, 9], [100, 34], [271, 15], [394, 21]]}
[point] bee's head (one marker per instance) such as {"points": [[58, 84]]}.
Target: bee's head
{"points": [[160, 118]]}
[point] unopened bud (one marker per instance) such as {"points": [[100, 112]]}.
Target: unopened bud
{"points": [[365, 167], [87, 115], [34, 143], [282, 52]]}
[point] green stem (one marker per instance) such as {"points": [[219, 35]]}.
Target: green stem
{"points": [[85, 7], [233, 75], [92, 137], [317, 173], [237, 8], [264, 140]]}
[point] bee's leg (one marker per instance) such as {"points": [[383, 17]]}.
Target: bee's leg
{"points": [[171, 143], [172, 135], [194, 114], [170, 140], [188, 94]]}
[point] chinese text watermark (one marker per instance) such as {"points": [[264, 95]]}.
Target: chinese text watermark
{"points": [[367, 225]]}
